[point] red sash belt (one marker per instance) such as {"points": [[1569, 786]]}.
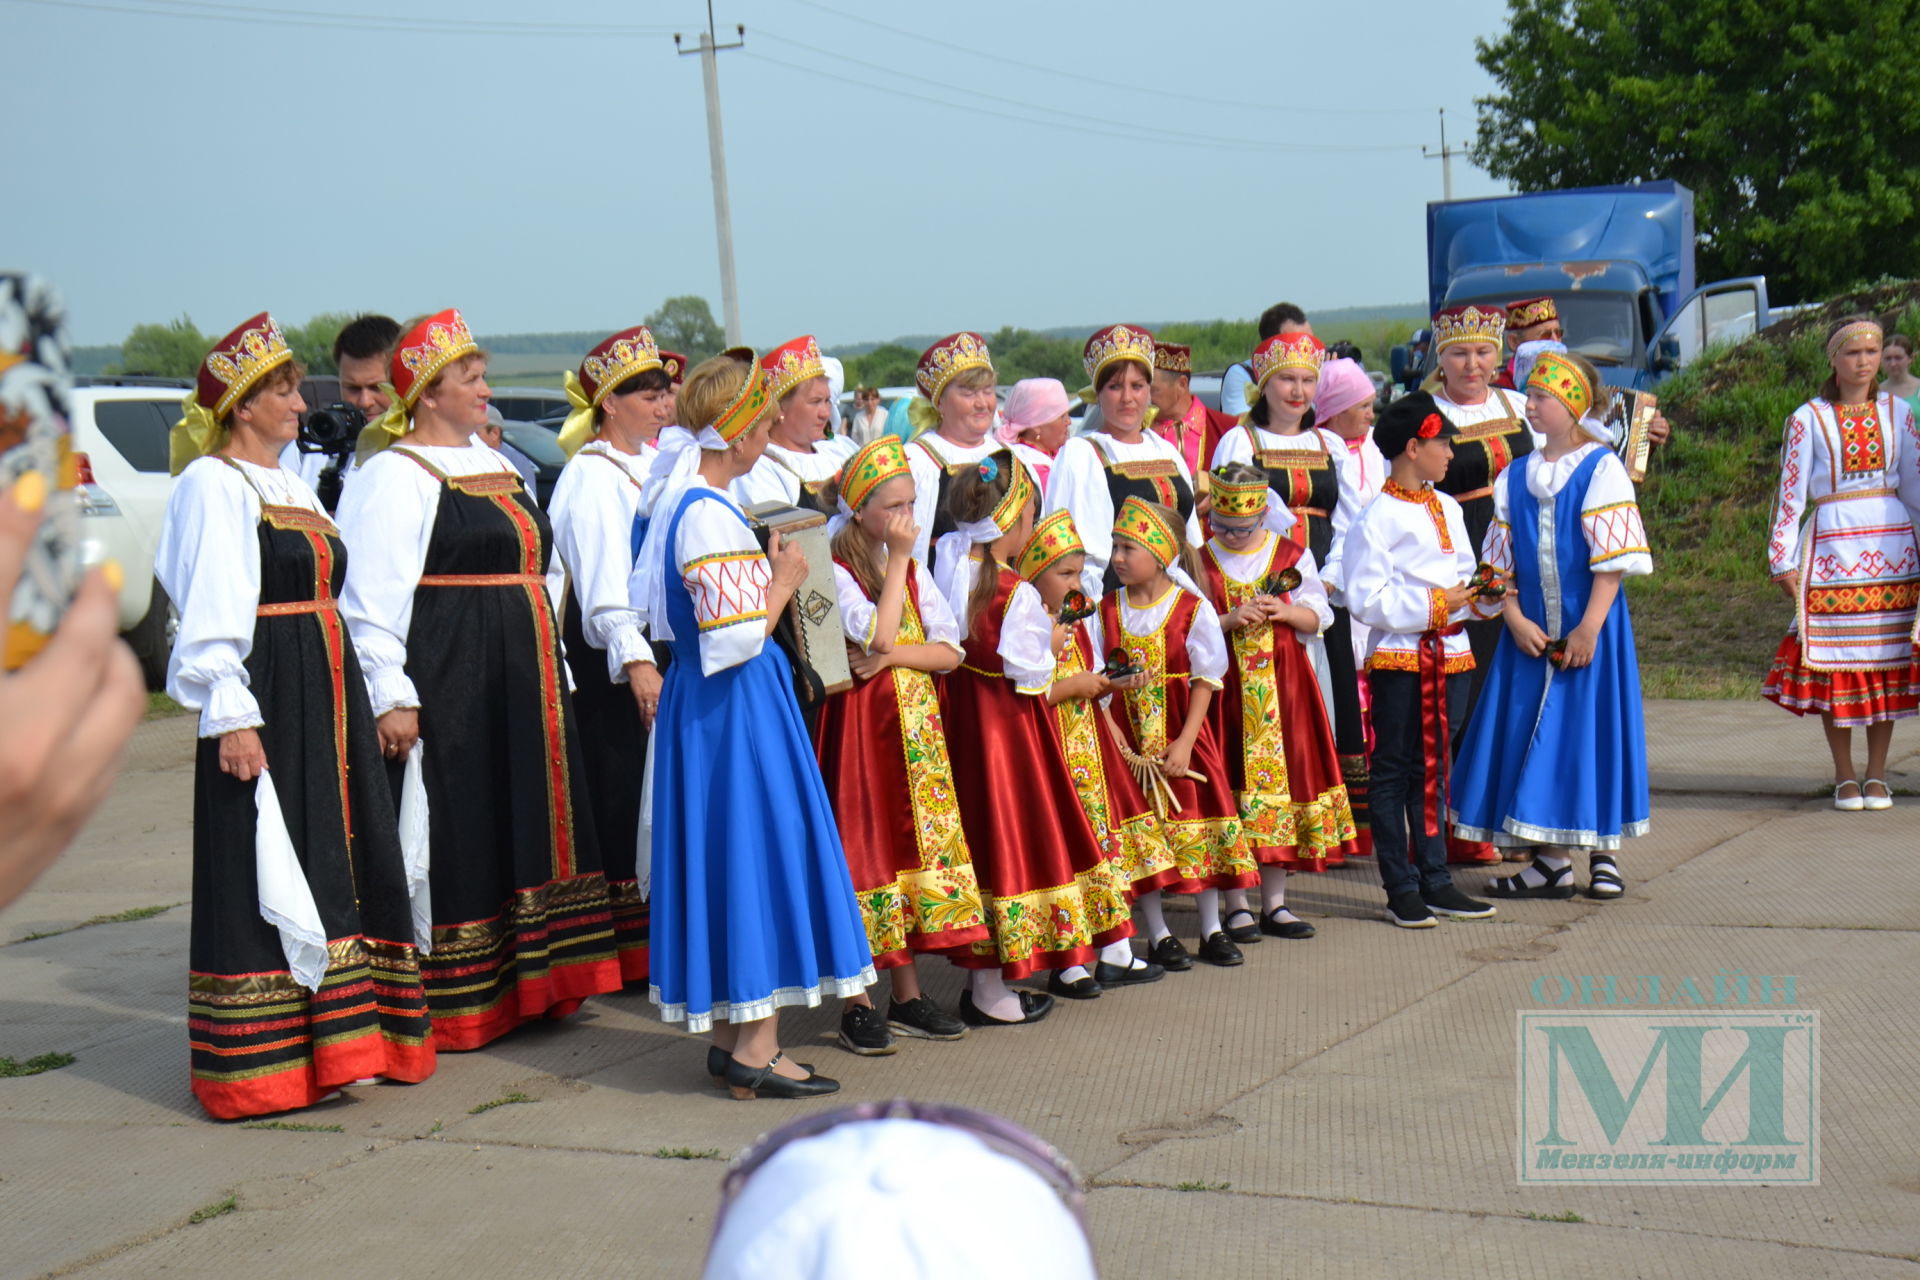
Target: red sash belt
{"points": [[284, 608], [482, 580], [1436, 738]]}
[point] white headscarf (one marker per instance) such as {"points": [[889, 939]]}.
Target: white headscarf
{"points": [[675, 469]]}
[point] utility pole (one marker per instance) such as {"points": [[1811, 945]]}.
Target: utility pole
{"points": [[708, 48], [1444, 155]]}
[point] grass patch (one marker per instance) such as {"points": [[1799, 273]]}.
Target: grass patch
{"points": [[438, 1125], [218, 1209], [34, 1066], [1568, 1216], [686, 1153], [118, 917], [1707, 622], [160, 706], [1202, 1186], [509, 1099], [294, 1126]]}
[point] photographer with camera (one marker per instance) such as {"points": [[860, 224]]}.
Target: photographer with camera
{"points": [[323, 454]]}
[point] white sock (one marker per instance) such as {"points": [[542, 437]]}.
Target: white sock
{"points": [[1236, 899], [1119, 954], [1273, 893], [1552, 858], [1209, 903], [993, 997], [1074, 974], [1155, 915]]}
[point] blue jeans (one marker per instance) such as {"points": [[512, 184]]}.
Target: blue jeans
{"points": [[1411, 861]]}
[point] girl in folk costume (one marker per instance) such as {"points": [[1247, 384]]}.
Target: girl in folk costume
{"points": [[752, 906], [953, 420], [303, 970], [1053, 897], [1097, 472], [1294, 810], [801, 459], [1343, 403], [445, 598], [1174, 638], [1842, 549], [883, 753], [1109, 794], [1555, 759], [621, 398]]}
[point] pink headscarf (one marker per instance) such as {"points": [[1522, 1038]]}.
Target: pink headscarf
{"points": [[1343, 384], [1033, 402]]}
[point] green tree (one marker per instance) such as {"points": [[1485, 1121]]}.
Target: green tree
{"points": [[312, 342], [686, 324], [1796, 124], [889, 365], [171, 350]]}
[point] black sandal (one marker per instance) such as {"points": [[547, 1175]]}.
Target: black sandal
{"points": [[1245, 933], [1559, 884], [1603, 877]]}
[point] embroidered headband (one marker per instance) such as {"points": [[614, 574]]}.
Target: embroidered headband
{"points": [[873, 465], [1054, 538], [1138, 522], [749, 403], [793, 363], [1847, 333], [1242, 501], [1560, 378], [1020, 492]]}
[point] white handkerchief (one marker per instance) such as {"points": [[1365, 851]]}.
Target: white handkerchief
{"points": [[414, 846], [643, 840], [286, 899]]}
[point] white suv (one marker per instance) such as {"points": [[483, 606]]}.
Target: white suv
{"points": [[120, 434]]}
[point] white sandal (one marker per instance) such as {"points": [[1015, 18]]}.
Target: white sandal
{"points": [[1882, 801], [1853, 803]]}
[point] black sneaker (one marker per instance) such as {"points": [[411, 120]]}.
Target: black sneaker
{"points": [[922, 1019], [1451, 902], [1409, 912], [863, 1032]]}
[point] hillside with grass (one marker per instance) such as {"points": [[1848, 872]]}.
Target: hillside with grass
{"points": [[1708, 620]]}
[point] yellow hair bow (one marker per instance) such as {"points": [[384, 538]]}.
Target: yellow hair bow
{"points": [[922, 414], [383, 430], [578, 428], [197, 434]]}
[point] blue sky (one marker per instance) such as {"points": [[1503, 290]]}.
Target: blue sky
{"points": [[895, 168]]}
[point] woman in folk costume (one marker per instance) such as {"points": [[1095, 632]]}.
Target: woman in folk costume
{"points": [[1109, 794], [883, 754], [303, 972], [1343, 404], [1053, 896], [952, 419], [753, 910], [447, 604], [621, 398], [1097, 472], [1035, 422], [1171, 634], [1842, 549], [1555, 760], [801, 458], [1285, 771]]}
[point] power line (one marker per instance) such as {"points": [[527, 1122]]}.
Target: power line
{"points": [[1123, 132], [207, 11], [1238, 104]]}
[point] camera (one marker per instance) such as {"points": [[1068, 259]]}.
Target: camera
{"points": [[332, 429]]}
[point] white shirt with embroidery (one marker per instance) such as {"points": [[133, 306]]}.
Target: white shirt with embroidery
{"points": [[593, 506], [1397, 569], [209, 563], [1026, 641], [1500, 403], [858, 613], [1251, 566], [780, 472], [386, 519], [1079, 484], [720, 562], [1609, 516], [926, 479], [1207, 655]]}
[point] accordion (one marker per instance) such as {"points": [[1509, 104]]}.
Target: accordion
{"points": [[819, 635]]}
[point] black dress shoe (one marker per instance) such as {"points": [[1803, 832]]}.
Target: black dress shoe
{"points": [[1285, 928], [1170, 955], [746, 1082], [1033, 1007], [1112, 975], [1218, 949], [717, 1060], [1242, 933], [1079, 989]]}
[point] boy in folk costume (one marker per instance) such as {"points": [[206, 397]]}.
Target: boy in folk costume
{"points": [[1407, 561], [1281, 757], [1166, 630]]}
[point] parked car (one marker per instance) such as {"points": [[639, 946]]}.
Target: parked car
{"points": [[120, 429], [537, 441], [531, 404]]}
